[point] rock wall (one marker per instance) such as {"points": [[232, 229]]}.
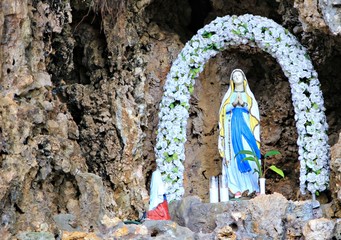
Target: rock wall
{"points": [[80, 84], [264, 217]]}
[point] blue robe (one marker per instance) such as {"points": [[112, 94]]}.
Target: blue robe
{"points": [[238, 136]]}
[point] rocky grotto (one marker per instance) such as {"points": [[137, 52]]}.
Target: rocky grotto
{"points": [[80, 86]]}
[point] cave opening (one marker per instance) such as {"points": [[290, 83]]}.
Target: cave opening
{"points": [[278, 131]]}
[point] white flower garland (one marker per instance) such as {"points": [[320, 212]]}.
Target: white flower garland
{"points": [[254, 31]]}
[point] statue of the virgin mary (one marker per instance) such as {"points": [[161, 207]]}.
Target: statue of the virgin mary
{"points": [[239, 130]]}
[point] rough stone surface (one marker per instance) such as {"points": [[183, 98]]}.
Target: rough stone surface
{"points": [[310, 15], [168, 230], [335, 167], [332, 15], [66, 222], [80, 83], [35, 236], [264, 217], [79, 236], [91, 200], [319, 229], [320, 15], [337, 234], [297, 215]]}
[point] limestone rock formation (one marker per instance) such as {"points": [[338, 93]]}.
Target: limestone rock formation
{"points": [[319, 229], [80, 86], [264, 217]]}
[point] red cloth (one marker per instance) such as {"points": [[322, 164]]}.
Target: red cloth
{"points": [[161, 212]]}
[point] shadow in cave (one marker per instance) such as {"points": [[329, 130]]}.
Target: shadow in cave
{"points": [[186, 17], [183, 17]]}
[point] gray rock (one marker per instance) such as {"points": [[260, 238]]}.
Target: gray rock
{"points": [[337, 233], [264, 217], [180, 210], [168, 230], [66, 222], [332, 15], [319, 229], [91, 199], [35, 236], [297, 215]]}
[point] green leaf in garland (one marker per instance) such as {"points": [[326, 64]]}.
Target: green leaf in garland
{"points": [[237, 32], [191, 89], [175, 170], [169, 159], [175, 156], [244, 25], [183, 57], [264, 29], [207, 34], [168, 179], [315, 106], [194, 71], [171, 106], [165, 154]]}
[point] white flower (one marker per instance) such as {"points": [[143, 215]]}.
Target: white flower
{"points": [[311, 177]]}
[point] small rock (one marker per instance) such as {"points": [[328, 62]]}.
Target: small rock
{"points": [[66, 222], [110, 222], [35, 236], [226, 233], [121, 232], [141, 230], [79, 236], [319, 229]]}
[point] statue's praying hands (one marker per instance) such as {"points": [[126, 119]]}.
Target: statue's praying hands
{"points": [[238, 101]]}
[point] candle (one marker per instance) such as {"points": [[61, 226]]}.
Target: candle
{"points": [[223, 189], [214, 193]]}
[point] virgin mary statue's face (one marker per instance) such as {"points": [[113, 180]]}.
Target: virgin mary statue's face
{"points": [[237, 78]]}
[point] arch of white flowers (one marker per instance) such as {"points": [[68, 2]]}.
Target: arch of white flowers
{"points": [[219, 35]]}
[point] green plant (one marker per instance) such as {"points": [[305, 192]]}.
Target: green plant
{"points": [[261, 170]]}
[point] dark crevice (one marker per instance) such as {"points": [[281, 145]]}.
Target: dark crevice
{"points": [[77, 48], [200, 10], [179, 16], [185, 18], [18, 209], [234, 227]]}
